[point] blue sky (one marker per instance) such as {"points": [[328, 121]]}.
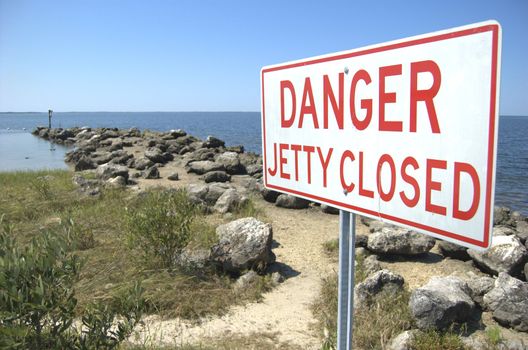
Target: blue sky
{"points": [[195, 55]]}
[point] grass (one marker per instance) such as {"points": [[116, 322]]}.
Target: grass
{"points": [[387, 316], [47, 200]]}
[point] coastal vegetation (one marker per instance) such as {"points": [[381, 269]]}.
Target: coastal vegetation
{"points": [[72, 259]]}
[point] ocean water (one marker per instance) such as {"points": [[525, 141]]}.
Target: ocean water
{"points": [[20, 150]]}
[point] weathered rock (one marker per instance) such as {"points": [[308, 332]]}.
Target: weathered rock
{"points": [[268, 195], [201, 154], [521, 231], [276, 278], [508, 301], [204, 166], [177, 133], [84, 163], [151, 173], [501, 216], [291, 202], [246, 280], [155, 154], [441, 302], [383, 280], [399, 241], [230, 162], [173, 177], [403, 341], [506, 254], [118, 181], [371, 265], [107, 171], [361, 241], [254, 169], [216, 176], [526, 271], [214, 191], [213, 142], [453, 250], [116, 146], [329, 209], [243, 244], [194, 259], [120, 157], [197, 193], [101, 157], [478, 287], [143, 163], [229, 201]]}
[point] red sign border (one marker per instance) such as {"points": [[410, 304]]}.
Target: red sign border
{"points": [[495, 29]]}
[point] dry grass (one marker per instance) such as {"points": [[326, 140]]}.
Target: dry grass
{"points": [[48, 200]]}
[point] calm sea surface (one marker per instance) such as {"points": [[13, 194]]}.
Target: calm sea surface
{"points": [[20, 150]]}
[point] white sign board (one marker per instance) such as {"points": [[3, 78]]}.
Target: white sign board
{"points": [[404, 131]]}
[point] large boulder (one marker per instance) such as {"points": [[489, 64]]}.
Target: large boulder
{"points": [[231, 163], [214, 191], [441, 302], [521, 231], [142, 163], [453, 250], [506, 254], [229, 201], [156, 155], [508, 301], [204, 166], [399, 241], [243, 244], [213, 142], [216, 176], [84, 163], [291, 202], [383, 280], [329, 209], [151, 173], [108, 171], [478, 287], [268, 195]]}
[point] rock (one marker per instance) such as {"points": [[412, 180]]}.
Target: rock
{"points": [[101, 157], [151, 173], [197, 193], [376, 225], [204, 166], [276, 278], [371, 265], [329, 209], [441, 302], [501, 216], [521, 231], [216, 176], [383, 280], [361, 241], [120, 157], [403, 341], [215, 191], [478, 287], [508, 301], [237, 149], [173, 177], [453, 250], [143, 163], [254, 169], [116, 146], [85, 163], [291, 202], [177, 133], [243, 244], [213, 142], [399, 241], [503, 231], [155, 155], [229, 201], [506, 254], [195, 259], [118, 181], [231, 163], [268, 195], [107, 171], [244, 281], [526, 271], [201, 154]]}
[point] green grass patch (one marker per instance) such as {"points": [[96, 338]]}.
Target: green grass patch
{"points": [[433, 340]]}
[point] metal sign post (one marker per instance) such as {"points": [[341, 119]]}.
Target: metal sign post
{"points": [[345, 312]]}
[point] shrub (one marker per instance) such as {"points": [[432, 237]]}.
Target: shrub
{"points": [[159, 226], [37, 299]]}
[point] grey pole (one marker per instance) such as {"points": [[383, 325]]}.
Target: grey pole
{"points": [[50, 112], [345, 314]]}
